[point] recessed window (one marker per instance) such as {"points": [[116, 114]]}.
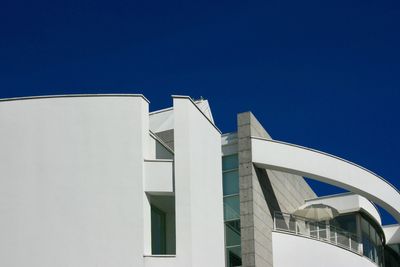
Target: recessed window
{"points": [[230, 174], [158, 233], [162, 225]]}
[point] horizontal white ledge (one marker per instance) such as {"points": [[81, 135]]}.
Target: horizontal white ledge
{"points": [[159, 176], [158, 160], [160, 256], [326, 168]]}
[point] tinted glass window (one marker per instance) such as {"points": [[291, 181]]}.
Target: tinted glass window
{"points": [[231, 182], [158, 234], [231, 208], [230, 162]]}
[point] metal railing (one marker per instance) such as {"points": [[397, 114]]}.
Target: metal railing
{"points": [[318, 230]]}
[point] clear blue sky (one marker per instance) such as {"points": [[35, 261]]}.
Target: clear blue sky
{"points": [[324, 74]]}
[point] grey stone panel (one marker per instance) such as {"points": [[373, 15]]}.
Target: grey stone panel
{"points": [[261, 193]]}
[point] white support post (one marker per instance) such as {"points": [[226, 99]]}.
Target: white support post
{"points": [[350, 241], [335, 237]]}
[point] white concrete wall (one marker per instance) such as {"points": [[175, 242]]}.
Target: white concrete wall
{"points": [[71, 183], [198, 188], [290, 250], [161, 261]]}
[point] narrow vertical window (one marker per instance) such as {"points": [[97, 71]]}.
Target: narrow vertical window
{"points": [[230, 174], [158, 233]]}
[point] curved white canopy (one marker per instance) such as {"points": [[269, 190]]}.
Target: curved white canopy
{"points": [[328, 169]]}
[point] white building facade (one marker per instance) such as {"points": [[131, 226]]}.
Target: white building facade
{"points": [[98, 180]]}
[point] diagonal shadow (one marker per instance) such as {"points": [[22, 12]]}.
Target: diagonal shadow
{"points": [[267, 190]]}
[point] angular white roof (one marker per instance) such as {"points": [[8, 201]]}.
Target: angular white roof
{"points": [[163, 120]]}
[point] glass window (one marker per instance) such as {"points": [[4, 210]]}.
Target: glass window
{"points": [[231, 182], [232, 233], [367, 246], [158, 233], [313, 229], [322, 231], [234, 256], [230, 174], [372, 241], [395, 248], [346, 222], [230, 162], [392, 258], [231, 208], [392, 255], [343, 238]]}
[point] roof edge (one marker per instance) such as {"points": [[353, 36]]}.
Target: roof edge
{"points": [[194, 104], [72, 95]]}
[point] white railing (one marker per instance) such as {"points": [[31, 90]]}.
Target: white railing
{"points": [[318, 230]]}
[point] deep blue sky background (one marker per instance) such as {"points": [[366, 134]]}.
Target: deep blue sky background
{"points": [[323, 74]]}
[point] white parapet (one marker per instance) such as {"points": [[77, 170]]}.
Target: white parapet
{"points": [[293, 250]]}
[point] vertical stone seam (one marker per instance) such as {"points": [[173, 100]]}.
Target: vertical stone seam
{"points": [[246, 174]]}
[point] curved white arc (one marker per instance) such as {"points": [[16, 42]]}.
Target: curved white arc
{"points": [[326, 168]]}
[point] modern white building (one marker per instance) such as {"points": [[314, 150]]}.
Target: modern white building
{"points": [[99, 181]]}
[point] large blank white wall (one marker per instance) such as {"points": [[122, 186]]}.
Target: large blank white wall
{"points": [[290, 250], [198, 188], [71, 181]]}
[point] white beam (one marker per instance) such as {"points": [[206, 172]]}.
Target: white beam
{"points": [[328, 169]]}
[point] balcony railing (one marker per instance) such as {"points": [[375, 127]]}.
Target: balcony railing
{"points": [[317, 230]]}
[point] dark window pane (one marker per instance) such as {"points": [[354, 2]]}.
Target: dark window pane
{"points": [[234, 256], [346, 222], [232, 233], [158, 234]]}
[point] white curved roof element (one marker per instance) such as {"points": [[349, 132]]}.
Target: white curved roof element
{"points": [[328, 169], [346, 203]]}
